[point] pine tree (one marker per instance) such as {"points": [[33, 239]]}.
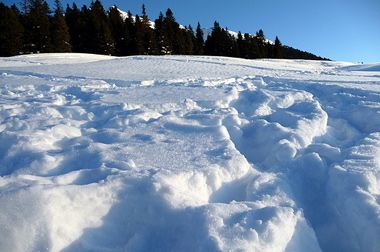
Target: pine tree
{"points": [[169, 32], [99, 31], [221, 43], [160, 31], [250, 46], [72, 21], [60, 31], [278, 49], [260, 40], [139, 36], [179, 43], [25, 6], [189, 40], [130, 26], [242, 44], [11, 32], [199, 46], [119, 31], [148, 35], [37, 28], [16, 11]]}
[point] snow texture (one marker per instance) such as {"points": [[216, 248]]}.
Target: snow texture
{"points": [[183, 153]]}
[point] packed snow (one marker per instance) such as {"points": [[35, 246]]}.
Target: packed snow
{"points": [[184, 153]]}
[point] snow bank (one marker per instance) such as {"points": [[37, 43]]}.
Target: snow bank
{"points": [[182, 153]]}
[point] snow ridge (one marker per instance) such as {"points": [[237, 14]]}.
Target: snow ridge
{"points": [[184, 153]]}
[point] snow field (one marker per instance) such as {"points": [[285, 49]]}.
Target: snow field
{"points": [[181, 153]]}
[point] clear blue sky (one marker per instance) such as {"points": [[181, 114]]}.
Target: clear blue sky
{"points": [[342, 30]]}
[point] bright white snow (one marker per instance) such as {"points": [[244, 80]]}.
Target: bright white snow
{"points": [[178, 153]]}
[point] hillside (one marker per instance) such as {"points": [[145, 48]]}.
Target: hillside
{"points": [[185, 153], [93, 29]]}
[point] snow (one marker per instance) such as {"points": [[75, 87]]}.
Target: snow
{"points": [[185, 153]]}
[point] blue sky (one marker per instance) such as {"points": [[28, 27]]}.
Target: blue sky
{"points": [[342, 30]]}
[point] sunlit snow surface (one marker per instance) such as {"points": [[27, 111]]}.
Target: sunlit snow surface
{"points": [[183, 153]]}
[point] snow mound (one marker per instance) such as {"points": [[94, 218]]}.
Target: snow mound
{"points": [[184, 153]]}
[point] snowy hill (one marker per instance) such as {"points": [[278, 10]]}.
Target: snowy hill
{"points": [[176, 153]]}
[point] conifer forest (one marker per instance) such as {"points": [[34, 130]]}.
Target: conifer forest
{"points": [[35, 27]]}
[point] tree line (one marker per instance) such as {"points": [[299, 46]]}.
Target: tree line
{"points": [[35, 28]]}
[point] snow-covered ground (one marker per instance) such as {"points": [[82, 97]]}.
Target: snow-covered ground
{"points": [[177, 153]]}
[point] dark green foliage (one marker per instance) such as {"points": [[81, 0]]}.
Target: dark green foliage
{"points": [[199, 45], [11, 32], [119, 31], [292, 53], [36, 29], [170, 28], [101, 41], [160, 30], [260, 40], [190, 40], [25, 6], [60, 31], [144, 29], [131, 29], [221, 43], [278, 49], [171, 38]]}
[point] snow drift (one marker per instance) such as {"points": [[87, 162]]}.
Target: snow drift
{"points": [[177, 153]]}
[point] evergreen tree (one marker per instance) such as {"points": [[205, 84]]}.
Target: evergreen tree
{"points": [[160, 31], [119, 31], [179, 43], [199, 46], [139, 36], [78, 22], [189, 40], [99, 31], [242, 44], [130, 26], [169, 31], [260, 40], [221, 43], [278, 49], [16, 11], [11, 32], [60, 31], [251, 46], [25, 6], [72, 20], [37, 28], [148, 35]]}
